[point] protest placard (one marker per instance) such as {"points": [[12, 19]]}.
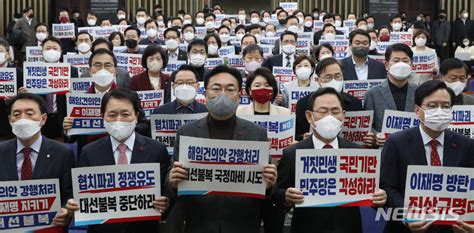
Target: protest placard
{"points": [[337, 177], [28, 205], [440, 195], [289, 7], [340, 47], [358, 88], [132, 63], [8, 80], [280, 131], [164, 127], [81, 85], [34, 54], [356, 125], [394, 121], [116, 193], [297, 93], [223, 167], [63, 30], [80, 61], [173, 66], [150, 100], [283, 75], [211, 63], [425, 63], [84, 108], [462, 121], [402, 37], [46, 78]]}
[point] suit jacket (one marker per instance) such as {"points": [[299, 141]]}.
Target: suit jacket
{"points": [[440, 32], [141, 82], [215, 214], [376, 69], [274, 110], [276, 60], [145, 150], [406, 148], [461, 30], [122, 77], [29, 29], [170, 108], [182, 55], [380, 98], [467, 99], [302, 126], [5, 128], [55, 160], [306, 220]]}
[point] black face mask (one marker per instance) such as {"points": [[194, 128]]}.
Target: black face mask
{"points": [[442, 16], [31, 16], [131, 43], [281, 21]]}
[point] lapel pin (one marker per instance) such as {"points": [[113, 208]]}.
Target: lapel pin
{"points": [[140, 148], [47, 156]]}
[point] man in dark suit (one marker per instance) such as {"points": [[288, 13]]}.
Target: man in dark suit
{"points": [[462, 28], [172, 38], [120, 109], [288, 41], [327, 19], [27, 25], [329, 73], [359, 66], [429, 144], [456, 74], [185, 88], [32, 155], [325, 114], [440, 33], [214, 214]]}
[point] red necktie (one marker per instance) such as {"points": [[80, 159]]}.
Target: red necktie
{"points": [[122, 155], [327, 146], [26, 167], [435, 160]]}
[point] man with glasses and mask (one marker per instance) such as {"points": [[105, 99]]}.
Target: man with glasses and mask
{"points": [[325, 113], [185, 88], [429, 144], [214, 214], [456, 74]]}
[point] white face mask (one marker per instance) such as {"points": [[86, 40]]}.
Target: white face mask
{"points": [[294, 29], [41, 36], [2, 58], [240, 36], [212, 49], [141, 20], [337, 85], [224, 38], [466, 43], [304, 73], [254, 20], [338, 23], [324, 56], [330, 36], [154, 66], [188, 36], [465, 15], [91, 22], [83, 47], [396, 26], [121, 16], [120, 130], [151, 32], [266, 20], [420, 42], [242, 17], [185, 92], [197, 60], [457, 87], [269, 34], [103, 78], [437, 119], [301, 20], [258, 37], [363, 27], [370, 25], [328, 127], [187, 21], [51, 55], [289, 49], [400, 70], [25, 128], [373, 45], [171, 44], [199, 21], [308, 24], [252, 66], [210, 25]]}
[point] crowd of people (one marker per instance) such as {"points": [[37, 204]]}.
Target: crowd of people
{"points": [[33, 126]]}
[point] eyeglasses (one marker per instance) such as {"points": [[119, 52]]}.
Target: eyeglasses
{"points": [[218, 90], [328, 78], [446, 106], [189, 83], [325, 111]]}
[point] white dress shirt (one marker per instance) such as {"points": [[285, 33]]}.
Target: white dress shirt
{"points": [[363, 70], [35, 149], [318, 144], [129, 143], [426, 142]]}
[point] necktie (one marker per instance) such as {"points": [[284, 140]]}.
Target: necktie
{"points": [[26, 167], [288, 61], [50, 103], [435, 160], [327, 146], [122, 156]]}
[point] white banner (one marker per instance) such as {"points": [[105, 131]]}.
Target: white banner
{"points": [[46, 78], [85, 110]]}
